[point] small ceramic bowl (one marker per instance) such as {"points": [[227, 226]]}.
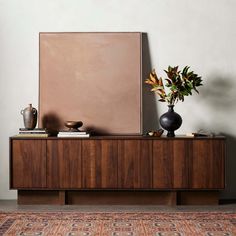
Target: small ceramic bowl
{"points": [[73, 125], [156, 133]]}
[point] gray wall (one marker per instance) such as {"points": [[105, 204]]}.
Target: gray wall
{"points": [[201, 34]]}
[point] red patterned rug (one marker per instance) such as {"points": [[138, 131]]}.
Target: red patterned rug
{"points": [[117, 224]]}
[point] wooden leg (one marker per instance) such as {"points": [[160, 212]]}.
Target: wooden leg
{"points": [[198, 198], [31, 197], [62, 197]]}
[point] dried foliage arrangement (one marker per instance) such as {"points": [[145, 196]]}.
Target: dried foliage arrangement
{"points": [[179, 84]]}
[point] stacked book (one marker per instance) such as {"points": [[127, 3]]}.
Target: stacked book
{"points": [[200, 134], [37, 132], [73, 134]]}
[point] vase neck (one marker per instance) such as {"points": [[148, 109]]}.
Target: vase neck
{"points": [[171, 107]]}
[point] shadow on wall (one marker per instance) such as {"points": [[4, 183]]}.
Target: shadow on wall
{"points": [[150, 115], [51, 122], [219, 96]]}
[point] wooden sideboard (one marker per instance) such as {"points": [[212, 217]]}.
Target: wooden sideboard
{"points": [[117, 170]]}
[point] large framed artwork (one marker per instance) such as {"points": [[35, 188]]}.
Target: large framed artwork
{"points": [[91, 77]]}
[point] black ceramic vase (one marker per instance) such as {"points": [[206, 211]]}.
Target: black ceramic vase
{"points": [[170, 121]]}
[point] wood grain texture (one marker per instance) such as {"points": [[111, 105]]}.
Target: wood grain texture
{"points": [[134, 164], [99, 161], [188, 164], [64, 164], [170, 163], [181, 163], [28, 164], [162, 164], [207, 167]]}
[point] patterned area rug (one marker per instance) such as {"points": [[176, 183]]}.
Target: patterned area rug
{"points": [[117, 224]]}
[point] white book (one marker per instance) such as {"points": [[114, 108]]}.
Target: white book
{"points": [[73, 135], [32, 131]]}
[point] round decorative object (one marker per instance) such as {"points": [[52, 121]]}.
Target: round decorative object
{"points": [[73, 125], [29, 117], [170, 121]]}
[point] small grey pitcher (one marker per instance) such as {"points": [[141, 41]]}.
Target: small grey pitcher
{"points": [[29, 117]]}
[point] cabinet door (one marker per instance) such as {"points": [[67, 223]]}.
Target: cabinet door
{"points": [[170, 163], [64, 164], [28, 164], [135, 164], [99, 164], [188, 164], [206, 167]]}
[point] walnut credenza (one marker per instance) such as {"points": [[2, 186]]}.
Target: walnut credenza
{"points": [[117, 170]]}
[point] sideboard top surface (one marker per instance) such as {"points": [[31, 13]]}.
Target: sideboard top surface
{"points": [[125, 137]]}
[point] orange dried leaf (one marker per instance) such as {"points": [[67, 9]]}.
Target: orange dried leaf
{"points": [[160, 82], [148, 81], [153, 78], [154, 89]]}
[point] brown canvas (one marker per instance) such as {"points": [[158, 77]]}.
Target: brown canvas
{"points": [[92, 77]]}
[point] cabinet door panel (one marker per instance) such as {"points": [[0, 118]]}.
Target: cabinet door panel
{"points": [[207, 164], [28, 164], [170, 163], [64, 164], [162, 164], [99, 161], [134, 164], [188, 164]]}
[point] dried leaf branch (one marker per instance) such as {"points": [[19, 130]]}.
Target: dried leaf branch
{"points": [[179, 84]]}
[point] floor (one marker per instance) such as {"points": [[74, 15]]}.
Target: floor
{"points": [[11, 205]]}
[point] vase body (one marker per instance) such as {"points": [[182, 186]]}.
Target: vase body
{"points": [[29, 117], [170, 121]]}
